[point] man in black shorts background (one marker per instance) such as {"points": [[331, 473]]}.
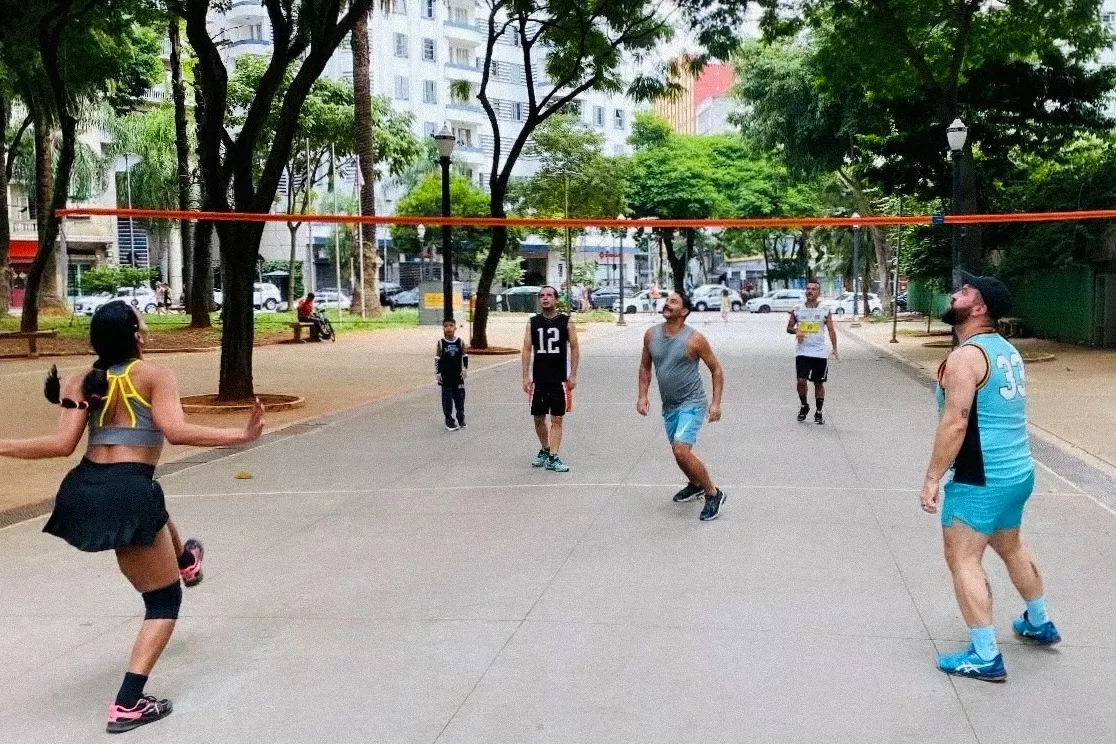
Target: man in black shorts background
{"points": [[550, 356], [809, 324]]}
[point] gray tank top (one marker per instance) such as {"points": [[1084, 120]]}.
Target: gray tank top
{"points": [[141, 430], [679, 380]]}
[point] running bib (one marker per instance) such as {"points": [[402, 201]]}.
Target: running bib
{"points": [[809, 326]]}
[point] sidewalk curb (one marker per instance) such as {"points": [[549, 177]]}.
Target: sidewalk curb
{"points": [[1094, 477]]}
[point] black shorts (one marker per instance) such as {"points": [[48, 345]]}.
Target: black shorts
{"points": [[104, 507], [814, 369], [550, 399]]}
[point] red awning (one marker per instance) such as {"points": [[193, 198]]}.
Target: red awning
{"points": [[22, 250]]}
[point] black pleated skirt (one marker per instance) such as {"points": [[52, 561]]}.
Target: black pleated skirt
{"points": [[108, 506]]}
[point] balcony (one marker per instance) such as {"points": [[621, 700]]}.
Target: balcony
{"points": [[464, 32], [471, 72]]}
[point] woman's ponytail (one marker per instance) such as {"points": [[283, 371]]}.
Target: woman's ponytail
{"points": [[95, 386], [52, 388]]}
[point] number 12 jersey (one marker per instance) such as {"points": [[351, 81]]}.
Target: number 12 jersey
{"points": [[550, 342]]}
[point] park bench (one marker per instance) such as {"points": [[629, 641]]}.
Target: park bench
{"points": [[32, 338], [1010, 327], [297, 328]]}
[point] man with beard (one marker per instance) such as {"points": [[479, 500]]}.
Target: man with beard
{"points": [[809, 324], [675, 350], [982, 438]]}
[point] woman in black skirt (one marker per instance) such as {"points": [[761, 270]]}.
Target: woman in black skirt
{"points": [[111, 500]]}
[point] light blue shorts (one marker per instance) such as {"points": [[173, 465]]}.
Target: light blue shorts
{"points": [[987, 509], [683, 424]]}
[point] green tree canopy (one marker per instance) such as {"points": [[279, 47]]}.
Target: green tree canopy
{"points": [[469, 244]]}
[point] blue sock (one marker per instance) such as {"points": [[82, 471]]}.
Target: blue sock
{"points": [[984, 642], [1036, 612]]}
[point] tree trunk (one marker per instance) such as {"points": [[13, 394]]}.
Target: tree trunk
{"points": [[42, 279], [201, 286], [5, 226], [239, 245], [677, 263], [366, 159], [182, 152], [885, 252]]}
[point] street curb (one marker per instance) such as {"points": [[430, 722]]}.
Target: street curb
{"points": [[1095, 477]]}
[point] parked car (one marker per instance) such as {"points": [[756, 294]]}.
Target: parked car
{"points": [[525, 290], [640, 303], [141, 298], [265, 296], [410, 298], [328, 298], [89, 304], [901, 302], [387, 291], [843, 303], [605, 297], [708, 297], [778, 300]]}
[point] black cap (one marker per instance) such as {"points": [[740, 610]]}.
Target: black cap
{"points": [[996, 296]]}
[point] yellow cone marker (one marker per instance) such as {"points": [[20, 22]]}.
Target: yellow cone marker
{"points": [[244, 476]]}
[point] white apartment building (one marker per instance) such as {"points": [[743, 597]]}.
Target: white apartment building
{"points": [[420, 49]]}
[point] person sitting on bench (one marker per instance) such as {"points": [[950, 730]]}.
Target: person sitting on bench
{"points": [[307, 313]]}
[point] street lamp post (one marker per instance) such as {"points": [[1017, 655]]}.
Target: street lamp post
{"points": [[620, 319], [856, 267], [420, 231], [895, 282], [956, 136], [445, 141]]}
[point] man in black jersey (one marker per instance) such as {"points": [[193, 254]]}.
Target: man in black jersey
{"points": [[550, 356]]}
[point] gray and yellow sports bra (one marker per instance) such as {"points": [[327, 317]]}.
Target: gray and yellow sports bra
{"points": [[141, 431]]}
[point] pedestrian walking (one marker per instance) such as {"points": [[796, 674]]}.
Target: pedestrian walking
{"points": [[111, 500], [550, 357], [809, 323], [982, 440], [451, 367], [674, 350]]}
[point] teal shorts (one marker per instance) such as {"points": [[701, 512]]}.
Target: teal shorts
{"points": [[987, 509], [683, 424]]}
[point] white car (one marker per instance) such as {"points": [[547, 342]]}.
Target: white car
{"points": [[708, 297], [640, 303], [328, 298], [141, 298], [265, 296], [843, 303], [777, 300]]}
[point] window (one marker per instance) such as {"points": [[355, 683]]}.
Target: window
{"points": [[402, 88], [517, 111], [430, 128], [255, 31], [399, 6], [429, 91], [618, 119], [428, 53], [401, 45], [462, 16], [573, 108], [1109, 18], [428, 8], [462, 56], [598, 116], [463, 136]]}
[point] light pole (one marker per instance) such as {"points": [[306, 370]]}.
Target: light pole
{"points": [[421, 232], [895, 281], [130, 159], [444, 141], [856, 266], [956, 136], [620, 319]]}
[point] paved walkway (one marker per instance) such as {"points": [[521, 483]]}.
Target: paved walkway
{"points": [[383, 580]]}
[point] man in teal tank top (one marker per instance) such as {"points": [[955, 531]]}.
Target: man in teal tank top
{"points": [[982, 440]]}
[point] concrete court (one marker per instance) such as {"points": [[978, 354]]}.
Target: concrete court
{"points": [[383, 580]]}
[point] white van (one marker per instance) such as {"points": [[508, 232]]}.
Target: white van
{"points": [[265, 296]]}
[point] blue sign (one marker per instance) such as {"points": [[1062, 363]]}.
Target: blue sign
{"points": [[937, 219]]}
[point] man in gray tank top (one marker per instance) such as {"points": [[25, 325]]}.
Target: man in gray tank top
{"points": [[674, 350]]}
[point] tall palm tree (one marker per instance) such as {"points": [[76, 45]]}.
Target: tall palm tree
{"points": [[182, 151], [366, 158]]}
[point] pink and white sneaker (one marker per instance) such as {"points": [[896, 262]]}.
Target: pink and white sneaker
{"points": [[192, 574], [147, 710]]}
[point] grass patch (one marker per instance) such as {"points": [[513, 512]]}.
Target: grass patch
{"points": [[595, 316]]}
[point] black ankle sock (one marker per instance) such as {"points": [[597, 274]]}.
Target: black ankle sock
{"points": [[185, 560], [820, 402], [131, 690], [803, 399]]}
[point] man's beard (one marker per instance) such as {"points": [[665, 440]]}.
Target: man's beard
{"points": [[955, 317]]}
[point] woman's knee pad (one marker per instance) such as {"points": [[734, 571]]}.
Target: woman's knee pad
{"points": [[163, 604]]}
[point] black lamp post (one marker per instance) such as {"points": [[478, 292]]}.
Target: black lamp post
{"points": [[445, 141], [856, 267], [956, 136]]}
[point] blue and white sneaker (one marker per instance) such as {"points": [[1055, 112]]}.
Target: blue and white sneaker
{"points": [[541, 459], [968, 664], [1044, 635]]}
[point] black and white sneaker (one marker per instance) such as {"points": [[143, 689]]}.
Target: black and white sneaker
{"points": [[148, 710], [803, 412], [460, 424], [712, 508], [688, 493], [451, 426], [818, 418]]}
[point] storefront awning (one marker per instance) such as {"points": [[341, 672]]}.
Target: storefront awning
{"points": [[22, 250]]}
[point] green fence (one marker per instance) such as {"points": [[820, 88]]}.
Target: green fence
{"points": [[922, 299], [1057, 304]]}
